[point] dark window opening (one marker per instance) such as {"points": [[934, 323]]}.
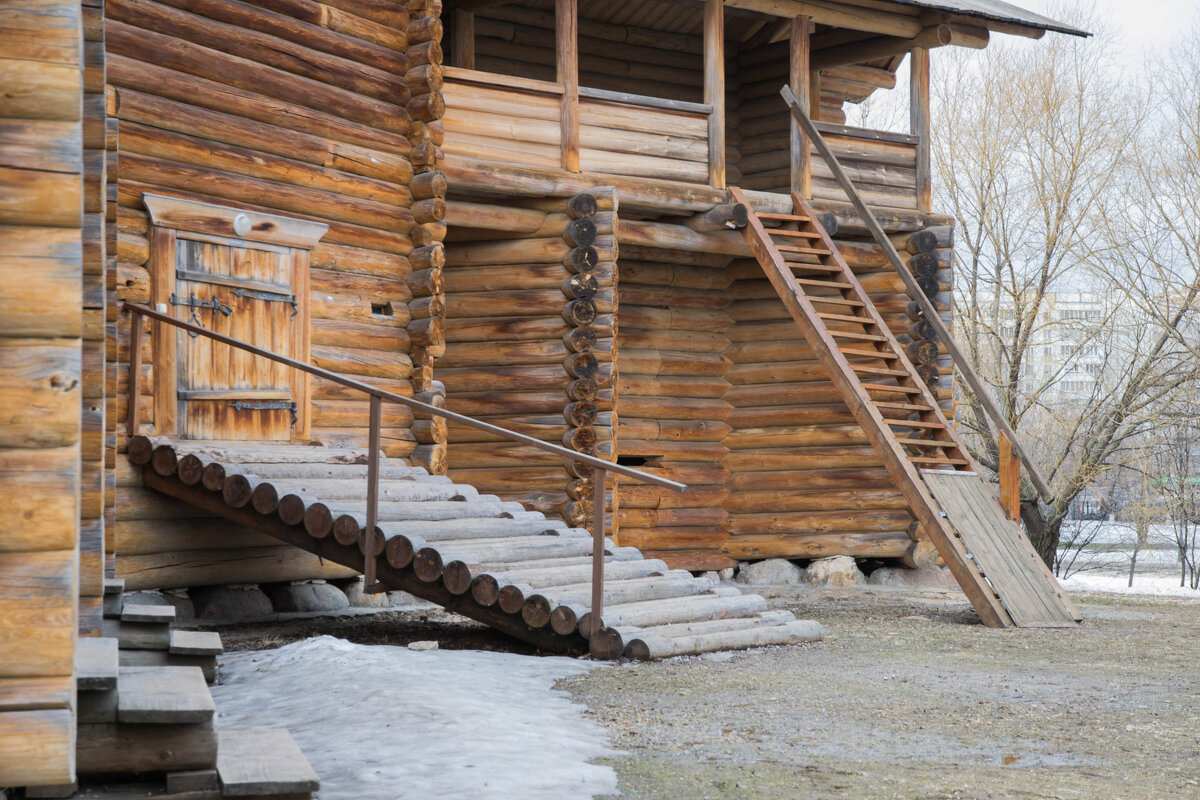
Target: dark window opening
{"points": [[382, 309], [632, 461]]}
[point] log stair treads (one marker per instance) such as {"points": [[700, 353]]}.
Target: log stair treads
{"points": [[900, 416], [263, 763], [1002, 551], [95, 663], [163, 695], [492, 561]]}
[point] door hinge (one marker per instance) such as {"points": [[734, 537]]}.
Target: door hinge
{"points": [[267, 405], [270, 297]]}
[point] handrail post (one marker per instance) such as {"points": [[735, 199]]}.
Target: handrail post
{"points": [[1009, 473], [373, 455], [599, 476], [133, 410]]}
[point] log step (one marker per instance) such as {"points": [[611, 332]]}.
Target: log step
{"points": [[784, 217], [794, 234], [885, 355], [163, 695], [823, 284], [956, 462], [835, 301], [895, 406], [882, 387], [910, 423], [866, 322], [808, 251], [263, 763], [861, 337], [96, 663], [898, 373], [195, 643], [161, 615]]}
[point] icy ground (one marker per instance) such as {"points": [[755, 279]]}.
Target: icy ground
{"points": [[388, 723], [1103, 566]]}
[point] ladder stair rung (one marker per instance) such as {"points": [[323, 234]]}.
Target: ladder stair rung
{"points": [[879, 387], [927, 443], [814, 267], [823, 284], [847, 318], [957, 462], [899, 373], [836, 301], [808, 251], [862, 337], [882, 354], [797, 234], [787, 217], [891, 406], [914, 423]]}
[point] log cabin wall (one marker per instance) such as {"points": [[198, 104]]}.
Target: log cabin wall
{"points": [[41, 385], [323, 111], [529, 343], [672, 340], [804, 481]]}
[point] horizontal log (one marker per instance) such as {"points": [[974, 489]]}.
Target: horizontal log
{"points": [[858, 545], [39, 592], [208, 567]]}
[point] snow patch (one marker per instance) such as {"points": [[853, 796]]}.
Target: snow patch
{"points": [[1117, 584], [387, 723]]}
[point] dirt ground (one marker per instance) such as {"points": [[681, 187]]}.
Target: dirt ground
{"points": [[909, 697]]}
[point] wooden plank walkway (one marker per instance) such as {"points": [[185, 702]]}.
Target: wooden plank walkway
{"points": [[1004, 554]]}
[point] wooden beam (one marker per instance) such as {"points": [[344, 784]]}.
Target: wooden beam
{"points": [[714, 89], [799, 78], [918, 120], [566, 15], [1010, 478], [837, 15], [463, 44], [886, 46]]}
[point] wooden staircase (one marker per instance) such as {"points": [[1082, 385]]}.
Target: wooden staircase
{"points": [[489, 560], [991, 558]]}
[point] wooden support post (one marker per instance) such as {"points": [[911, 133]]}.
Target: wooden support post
{"points": [[918, 118], [1010, 478], [567, 23], [798, 77], [133, 412], [599, 476], [714, 89], [464, 39], [373, 456]]}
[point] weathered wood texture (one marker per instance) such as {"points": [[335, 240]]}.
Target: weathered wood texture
{"points": [[760, 144], [325, 113], [43, 387], [672, 339], [530, 344]]}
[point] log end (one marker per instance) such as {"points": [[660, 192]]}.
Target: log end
{"points": [[536, 611], [427, 564], [140, 449], [163, 460], [485, 590], [457, 577], [605, 644], [399, 551]]}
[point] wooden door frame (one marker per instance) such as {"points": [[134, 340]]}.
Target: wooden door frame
{"points": [[173, 218]]}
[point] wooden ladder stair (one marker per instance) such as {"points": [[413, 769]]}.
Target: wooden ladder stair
{"points": [[473, 554], [991, 559]]}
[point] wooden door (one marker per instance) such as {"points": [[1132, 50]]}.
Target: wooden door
{"points": [[245, 292], [243, 274]]}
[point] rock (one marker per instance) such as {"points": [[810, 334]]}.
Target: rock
{"points": [[726, 574], [929, 578], [773, 570], [358, 599], [833, 571], [230, 602], [422, 645], [307, 596]]}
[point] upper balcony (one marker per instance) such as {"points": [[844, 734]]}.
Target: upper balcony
{"points": [[675, 95]]}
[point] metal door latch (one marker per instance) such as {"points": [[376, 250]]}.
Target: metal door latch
{"points": [[194, 303], [271, 297], [267, 405]]}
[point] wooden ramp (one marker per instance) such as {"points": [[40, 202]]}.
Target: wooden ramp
{"points": [[996, 543], [901, 418], [493, 561]]}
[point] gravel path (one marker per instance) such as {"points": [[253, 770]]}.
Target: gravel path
{"points": [[909, 697]]}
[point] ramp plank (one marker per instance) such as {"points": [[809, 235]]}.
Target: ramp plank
{"points": [[263, 762]]}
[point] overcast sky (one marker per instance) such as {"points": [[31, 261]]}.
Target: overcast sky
{"points": [[1144, 24]]}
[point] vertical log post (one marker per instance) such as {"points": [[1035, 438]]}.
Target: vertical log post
{"points": [[373, 455], [133, 412], [599, 476], [464, 39], [798, 77], [918, 119], [566, 15], [1010, 478], [714, 88]]}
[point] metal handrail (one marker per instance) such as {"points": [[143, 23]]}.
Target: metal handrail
{"points": [[600, 467], [928, 310]]}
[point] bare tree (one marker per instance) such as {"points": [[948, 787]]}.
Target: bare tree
{"points": [[1038, 158]]}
